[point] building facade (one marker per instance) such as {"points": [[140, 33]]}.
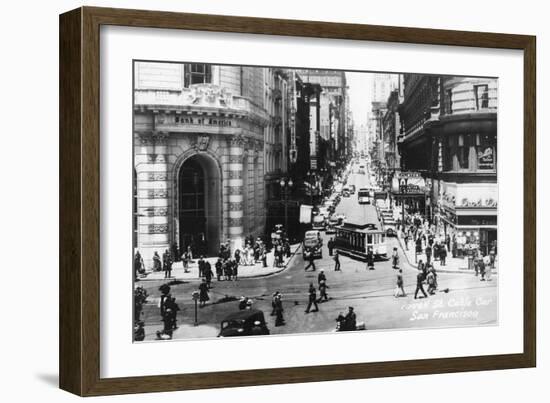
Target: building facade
{"points": [[391, 128], [199, 135], [449, 134], [334, 94]]}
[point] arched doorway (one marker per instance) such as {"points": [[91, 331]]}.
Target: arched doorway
{"points": [[199, 205]]}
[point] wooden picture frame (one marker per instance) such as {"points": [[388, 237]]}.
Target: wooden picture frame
{"points": [[79, 346]]}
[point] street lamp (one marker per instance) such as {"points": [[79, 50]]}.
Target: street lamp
{"points": [[285, 190], [311, 179], [195, 295]]}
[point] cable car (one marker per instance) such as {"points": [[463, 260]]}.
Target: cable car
{"points": [[355, 239]]}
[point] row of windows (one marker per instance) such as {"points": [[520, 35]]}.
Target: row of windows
{"points": [[470, 152], [481, 98]]}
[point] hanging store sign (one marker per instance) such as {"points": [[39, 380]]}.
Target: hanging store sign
{"points": [[407, 174]]}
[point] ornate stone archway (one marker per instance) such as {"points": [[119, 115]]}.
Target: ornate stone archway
{"points": [[209, 172]]}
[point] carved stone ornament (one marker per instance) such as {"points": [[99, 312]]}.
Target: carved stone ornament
{"points": [[208, 95], [202, 142], [159, 136], [158, 228], [145, 139], [157, 176], [237, 140], [157, 193]]}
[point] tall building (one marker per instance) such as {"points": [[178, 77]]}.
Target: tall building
{"points": [[450, 137], [391, 128], [361, 134], [382, 85], [199, 136], [334, 93]]}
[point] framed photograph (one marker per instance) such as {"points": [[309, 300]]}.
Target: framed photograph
{"points": [[249, 201]]}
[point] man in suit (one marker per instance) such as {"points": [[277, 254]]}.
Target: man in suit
{"points": [[350, 320], [312, 298], [370, 260], [419, 285], [330, 245], [336, 261], [311, 261]]}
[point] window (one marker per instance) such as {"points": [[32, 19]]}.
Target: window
{"points": [[481, 93], [463, 151], [197, 74], [448, 151], [449, 101]]}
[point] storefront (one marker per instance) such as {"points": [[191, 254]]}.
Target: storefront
{"points": [[470, 230], [409, 191]]}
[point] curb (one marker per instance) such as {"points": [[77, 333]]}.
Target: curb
{"points": [[439, 270], [196, 280]]}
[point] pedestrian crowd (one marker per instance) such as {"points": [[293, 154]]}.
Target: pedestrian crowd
{"points": [[418, 233]]}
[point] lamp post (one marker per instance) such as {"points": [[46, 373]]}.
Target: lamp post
{"points": [[285, 190], [311, 179], [323, 180], [195, 297], [403, 191]]}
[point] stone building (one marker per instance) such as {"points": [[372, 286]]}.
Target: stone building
{"points": [[449, 134], [198, 155], [391, 128], [334, 95]]}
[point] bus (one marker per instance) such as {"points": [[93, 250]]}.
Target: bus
{"points": [[363, 196], [355, 239]]}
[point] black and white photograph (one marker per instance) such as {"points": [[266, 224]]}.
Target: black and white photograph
{"points": [[274, 201]]}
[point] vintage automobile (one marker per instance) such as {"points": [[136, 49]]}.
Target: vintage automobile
{"points": [[247, 322], [319, 222], [331, 226], [313, 244]]}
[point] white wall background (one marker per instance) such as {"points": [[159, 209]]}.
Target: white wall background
{"points": [[29, 202]]}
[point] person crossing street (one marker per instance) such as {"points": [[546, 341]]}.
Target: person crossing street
{"points": [[336, 261], [321, 276], [323, 296], [312, 293], [419, 285], [399, 289], [395, 258], [330, 246], [311, 261], [278, 309], [370, 260]]}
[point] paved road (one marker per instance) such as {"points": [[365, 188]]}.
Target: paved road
{"points": [[467, 302]]}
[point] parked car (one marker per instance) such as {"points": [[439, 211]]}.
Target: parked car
{"points": [[248, 322]]}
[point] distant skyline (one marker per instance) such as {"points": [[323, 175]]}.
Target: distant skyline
{"points": [[360, 95]]}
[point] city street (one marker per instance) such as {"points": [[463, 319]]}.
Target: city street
{"points": [[461, 299]]}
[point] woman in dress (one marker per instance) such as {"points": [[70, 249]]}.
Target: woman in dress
{"points": [[203, 293]]}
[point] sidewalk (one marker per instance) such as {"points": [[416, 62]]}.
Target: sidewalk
{"points": [[452, 265], [253, 271]]}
